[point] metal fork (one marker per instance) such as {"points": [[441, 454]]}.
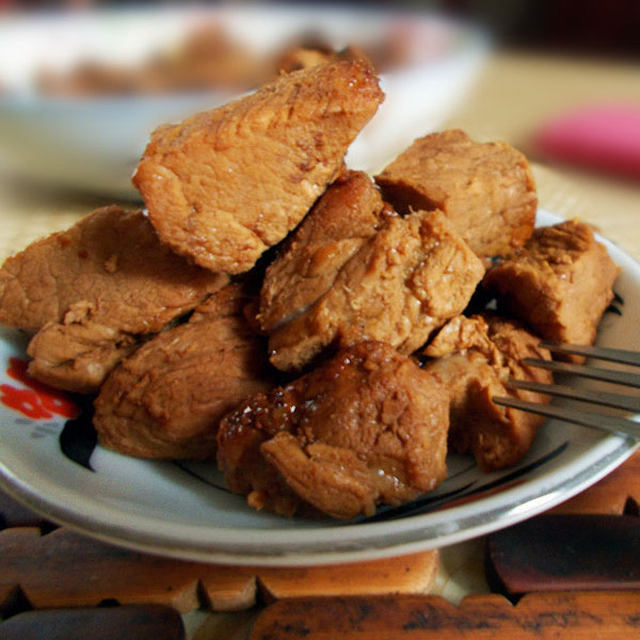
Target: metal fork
{"points": [[613, 424]]}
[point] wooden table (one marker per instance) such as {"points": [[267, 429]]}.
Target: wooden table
{"points": [[514, 93]]}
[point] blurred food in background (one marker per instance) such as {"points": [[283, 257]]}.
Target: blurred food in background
{"points": [[84, 89], [209, 57]]}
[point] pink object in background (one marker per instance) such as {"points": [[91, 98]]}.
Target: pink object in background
{"points": [[605, 137]]}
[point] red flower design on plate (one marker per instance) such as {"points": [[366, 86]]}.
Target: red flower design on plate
{"points": [[37, 401]]}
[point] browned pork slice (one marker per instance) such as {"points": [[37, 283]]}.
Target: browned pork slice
{"points": [[92, 289], [404, 282], [368, 427], [486, 190], [226, 184], [559, 284], [166, 400], [349, 212], [474, 357]]}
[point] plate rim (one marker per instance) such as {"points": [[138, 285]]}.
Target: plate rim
{"points": [[248, 553]]}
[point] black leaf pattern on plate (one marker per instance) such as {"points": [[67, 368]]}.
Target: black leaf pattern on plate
{"points": [[78, 438], [433, 502], [617, 300]]}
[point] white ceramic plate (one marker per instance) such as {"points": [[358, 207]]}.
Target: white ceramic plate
{"points": [[182, 510], [94, 143]]}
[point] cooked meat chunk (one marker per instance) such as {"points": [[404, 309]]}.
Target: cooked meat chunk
{"points": [[91, 290], [404, 282], [368, 427], [226, 184], [108, 268], [349, 212], [166, 400], [559, 284], [474, 359], [486, 190], [77, 357]]}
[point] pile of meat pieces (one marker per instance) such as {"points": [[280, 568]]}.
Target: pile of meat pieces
{"points": [[300, 323]]}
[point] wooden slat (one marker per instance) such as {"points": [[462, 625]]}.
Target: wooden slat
{"points": [[560, 552], [13, 514], [65, 569], [613, 494], [142, 622], [541, 616], [414, 573]]}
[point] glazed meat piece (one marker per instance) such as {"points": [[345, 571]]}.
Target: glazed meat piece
{"points": [[368, 427], [94, 288], [166, 400], [559, 284], [474, 357], [404, 282], [486, 190], [226, 184], [349, 212]]}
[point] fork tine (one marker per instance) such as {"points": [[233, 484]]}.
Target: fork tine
{"points": [[607, 375], [601, 353], [611, 424], [617, 400]]}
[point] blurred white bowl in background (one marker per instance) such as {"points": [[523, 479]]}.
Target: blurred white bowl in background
{"points": [[93, 143]]}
